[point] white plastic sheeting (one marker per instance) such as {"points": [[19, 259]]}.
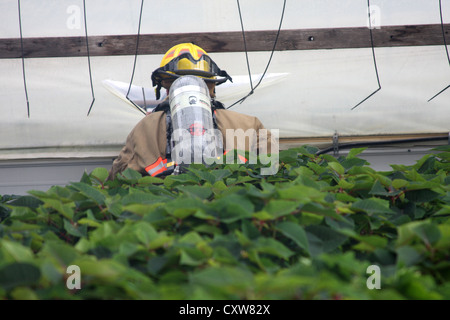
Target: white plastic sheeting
{"points": [[313, 99]]}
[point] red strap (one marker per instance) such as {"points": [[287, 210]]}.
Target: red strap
{"points": [[157, 167]]}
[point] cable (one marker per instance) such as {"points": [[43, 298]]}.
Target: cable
{"points": [[446, 49], [245, 46], [374, 58], [89, 57], [373, 143], [143, 95], [23, 61], [246, 54], [135, 58]]}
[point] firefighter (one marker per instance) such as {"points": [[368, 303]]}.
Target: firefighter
{"points": [[148, 146]]}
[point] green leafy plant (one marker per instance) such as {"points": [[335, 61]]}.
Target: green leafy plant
{"points": [[310, 231]]}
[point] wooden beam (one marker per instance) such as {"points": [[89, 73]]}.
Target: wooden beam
{"points": [[293, 39]]}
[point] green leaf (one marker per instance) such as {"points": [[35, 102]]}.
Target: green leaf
{"points": [[383, 179], [419, 196], [140, 197], [201, 192], [191, 238], [258, 193], [242, 238], [220, 174], [444, 241], [344, 184], [309, 151], [137, 208], [399, 183], [99, 174], [192, 257], [239, 180], [444, 155], [318, 170], [23, 213], [182, 208], [163, 240], [74, 230], [19, 226], [232, 208], [127, 249], [218, 187], [204, 175], [378, 189], [336, 166], [303, 172], [306, 219], [145, 232], [354, 152], [367, 243], [222, 278], [372, 206], [272, 247], [301, 193], [288, 156], [320, 209], [294, 232], [24, 293], [413, 175], [408, 256], [425, 163], [90, 192], [101, 270], [263, 215], [14, 252], [64, 209], [322, 239], [26, 201], [444, 211], [59, 253], [19, 274], [181, 179], [149, 180], [89, 222], [130, 176], [442, 148], [279, 208], [426, 231]]}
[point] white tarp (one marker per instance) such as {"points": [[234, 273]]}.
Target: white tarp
{"points": [[313, 98]]}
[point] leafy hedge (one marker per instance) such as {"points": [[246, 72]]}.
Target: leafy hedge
{"points": [[311, 231]]}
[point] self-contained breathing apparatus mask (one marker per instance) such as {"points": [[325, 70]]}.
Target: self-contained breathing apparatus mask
{"points": [[194, 138]]}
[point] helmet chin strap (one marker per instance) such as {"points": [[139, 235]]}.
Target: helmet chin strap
{"points": [[158, 91]]}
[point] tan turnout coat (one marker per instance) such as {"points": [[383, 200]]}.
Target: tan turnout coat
{"points": [[146, 143]]}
